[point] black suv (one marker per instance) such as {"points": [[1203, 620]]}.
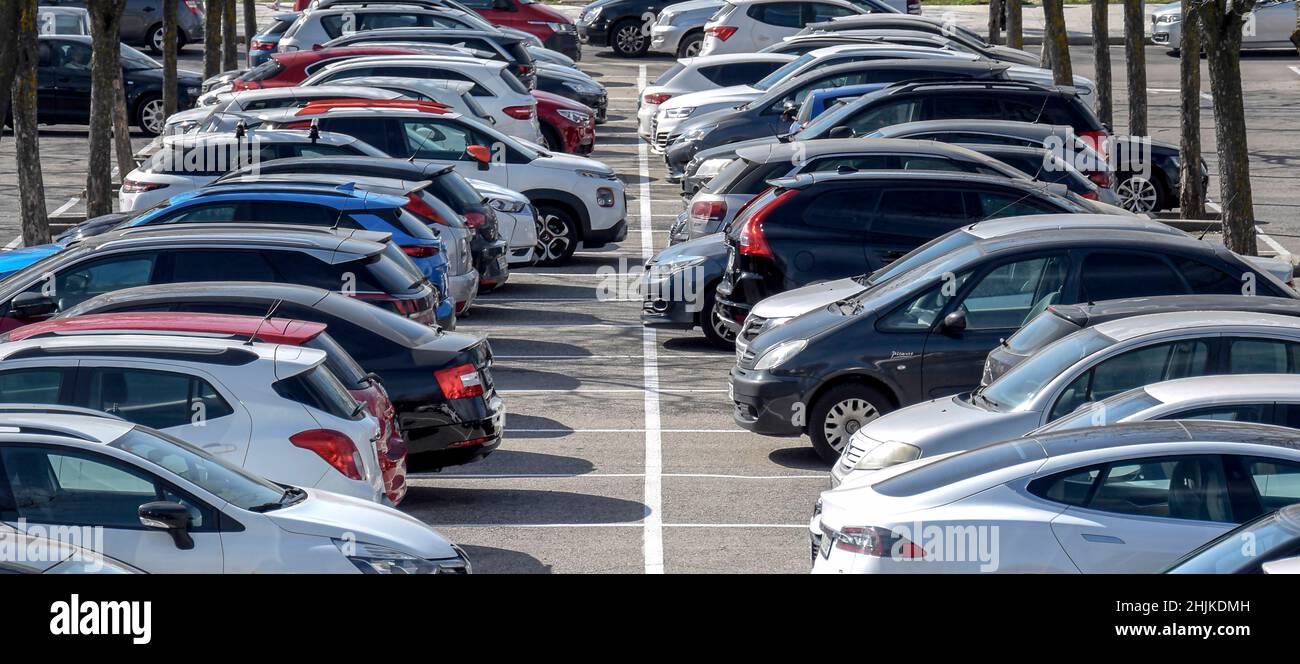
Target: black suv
{"points": [[821, 226], [926, 333]]}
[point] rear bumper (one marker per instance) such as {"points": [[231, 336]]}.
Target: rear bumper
{"points": [[493, 263], [566, 43], [735, 293], [435, 442]]}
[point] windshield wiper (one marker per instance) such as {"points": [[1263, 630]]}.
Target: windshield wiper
{"points": [[862, 279], [290, 496]]}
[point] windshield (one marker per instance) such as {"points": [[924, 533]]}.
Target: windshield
{"points": [[1104, 413], [923, 274], [775, 77], [958, 467], [1023, 382], [836, 116], [1043, 329], [725, 177], [932, 250], [133, 60], [213, 475], [1227, 555]]}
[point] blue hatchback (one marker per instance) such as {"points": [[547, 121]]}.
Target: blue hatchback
{"points": [[265, 42]]}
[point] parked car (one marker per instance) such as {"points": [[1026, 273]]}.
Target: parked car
{"points": [[1045, 166], [54, 20], [679, 27], [363, 387], [1276, 540], [1270, 25], [322, 22], [208, 506], [1130, 498], [556, 31], [574, 85], [679, 288], [1061, 320], [289, 69], [142, 21], [63, 84], [494, 44], [622, 25], [267, 39], [440, 383], [702, 73], [924, 334], [567, 126], [743, 26], [933, 25], [915, 36]]}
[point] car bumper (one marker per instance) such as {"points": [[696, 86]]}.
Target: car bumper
{"points": [[595, 34], [464, 288], [765, 403], [665, 38], [492, 263], [676, 157], [436, 443], [599, 238], [673, 299], [734, 298], [566, 43]]}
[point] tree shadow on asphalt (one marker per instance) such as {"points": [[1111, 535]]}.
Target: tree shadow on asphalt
{"points": [[803, 457], [491, 560]]}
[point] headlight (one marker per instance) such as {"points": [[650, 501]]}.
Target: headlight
{"points": [[711, 167], [506, 205], [558, 27], [888, 454], [678, 113], [675, 266], [778, 354], [698, 133], [1169, 18], [375, 559], [574, 116]]}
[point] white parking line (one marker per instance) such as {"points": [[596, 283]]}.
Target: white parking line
{"points": [[583, 390], [657, 430], [1282, 252], [1294, 69], [653, 535], [525, 476]]}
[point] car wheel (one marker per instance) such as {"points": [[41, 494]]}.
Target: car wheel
{"points": [[691, 45], [557, 235], [839, 413], [151, 116], [628, 38], [156, 39], [718, 334], [1138, 194]]}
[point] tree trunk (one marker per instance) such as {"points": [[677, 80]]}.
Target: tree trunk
{"points": [[122, 132], [1135, 53], [1101, 63], [8, 54], [1191, 187], [995, 21], [105, 68], [1221, 29], [170, 103], [1057, 41], [250, 23], [229, 42], [212, 38], [1015, 24], [31, 182]]}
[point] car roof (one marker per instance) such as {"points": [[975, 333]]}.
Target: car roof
{"points": [[804, 180], [188, 141], [1139, 326], [729, 58], [772, 152], [431, 58], [1005, 226], [267, 330], [1009, 127], [346, 246], [396, 33], [1163, 431], [315, 192], [386, 167], [226, 290], [85, 428], [973, 67], [162, 346], [1094, 313], [1269, 387]]}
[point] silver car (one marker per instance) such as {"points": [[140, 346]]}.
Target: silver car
{"points": [[680, 28], [1268, 26]]}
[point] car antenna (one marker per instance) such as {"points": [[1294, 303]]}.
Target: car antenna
{"points": [[269, 313], [423, 141], [313, 131]]}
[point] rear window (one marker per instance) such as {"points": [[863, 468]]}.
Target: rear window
{"points": [[263, 71], [394, 272], [959, 467], [513, 81], [337, 360], [396, 328], [668, 75], [1037, 333], [454, 190], [755, 179], [318, 388]]}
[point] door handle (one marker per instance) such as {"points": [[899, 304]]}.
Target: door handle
{"points": [[1102, 539]]}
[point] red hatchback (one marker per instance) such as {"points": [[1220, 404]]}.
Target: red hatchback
{"points": [[567, 125], [364, 387], [286, 69]]}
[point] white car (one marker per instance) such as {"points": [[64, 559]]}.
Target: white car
{"points": [[1090, 365], [168, 507], [745, 26], [316, 26], [679, 30], [1268, 25], [578, 200], [703, 73], [273, 409], [188, 161], [1130, 498], [518, 120]]}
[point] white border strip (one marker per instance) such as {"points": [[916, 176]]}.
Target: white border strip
{"points": [[653, 536]]}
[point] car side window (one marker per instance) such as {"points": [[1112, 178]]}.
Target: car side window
{"points": [[819, 12], [843, 210], [1263, 356], [199, 213], [288, 212], [437, 140], [1277, 483], [1245, 412], [1191, 487], [780, 14], [81, 282], [921, 312], [963, 107], [157, 399], [34, 385], [1207, 279], [1072, 487], [861, 163], [1009, 294], [884, 115], [1112, 276], [368, 130], [220, 265], [996, 204], [919, 215], [1134, 368]]}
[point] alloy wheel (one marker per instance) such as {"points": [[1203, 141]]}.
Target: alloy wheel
{"points": [[629, 39], [554, 237], [152, 119], [1137, 194]]}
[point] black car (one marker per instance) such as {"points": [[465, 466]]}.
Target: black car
{"points": [[440, 383], [1040, 164], [496, 45], [1146, 173], [822, 226], [679, 288], [63, 84], [914, 101], [1061, 320], [575, 85], [925, 333], [623, 25]]}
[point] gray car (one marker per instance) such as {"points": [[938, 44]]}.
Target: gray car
{"points": [[142, 21], [680, 27]]}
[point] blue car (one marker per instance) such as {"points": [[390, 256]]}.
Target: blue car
{"points": [[264, 43], [818, 101]]}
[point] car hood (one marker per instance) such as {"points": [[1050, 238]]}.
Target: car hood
{"points": [[700, 6], [192, 115], [1171, 8], [735, 94], [548, 13], [566, 73], [800, 301], [947, 424], [713, 247], [1014, 55], [569, 162], [326, 514], [485, 188], [729, 150]]}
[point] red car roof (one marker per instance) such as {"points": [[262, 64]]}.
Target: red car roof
{"points": [[307, 57], [322, 105], [273, 330]]}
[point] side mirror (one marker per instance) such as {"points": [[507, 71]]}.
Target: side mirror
{"points": [[954, 323], [32, 305], [169, 516], [480, 154], [840, 132], [789, 112]]}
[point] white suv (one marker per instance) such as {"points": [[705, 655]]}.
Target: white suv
{"points": [[314, 27], [578, 200], [168, 507], [273, 409], [745, 26]]}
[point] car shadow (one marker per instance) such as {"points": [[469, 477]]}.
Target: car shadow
{"points": [[491, 560], [803, 457], [487, 503], [527, 426]]}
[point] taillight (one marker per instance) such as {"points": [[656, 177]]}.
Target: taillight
{"points": [[136, 186], [418, 207], [335, 448], [709, 210], [193, 6], [1098, 140], [722, 32], [525, 70], [1102, 179], [460, 382], [420, 251], [1091, 195], [475, 219], [878, 542], [259, 45], [519, 112], [752, 242], [657, 97]]}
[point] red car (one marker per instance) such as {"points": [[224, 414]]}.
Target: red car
{"points": [[286, 69], [567, 125], [363, 387]]}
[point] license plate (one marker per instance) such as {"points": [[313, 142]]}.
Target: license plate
{"points": [[824, 548]]}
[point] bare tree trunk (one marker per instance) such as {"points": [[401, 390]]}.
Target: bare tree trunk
{"points": [[1221, 22], [1135, 53], [995, 21], [229, 42], [8, 54], [250, 23], [31, 183], [122, 131], [1015, 24], [1101, 63], [170, 103], [212, 38], [105, 68], [1191, 187], [1057, 41]]}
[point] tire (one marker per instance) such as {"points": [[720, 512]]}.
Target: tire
{"points": [[154, 39], [628, 38], [690, 45], [557, 235], [715, 332], [1139, 194], [850, 406], [150, 115], [551, 139]]}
